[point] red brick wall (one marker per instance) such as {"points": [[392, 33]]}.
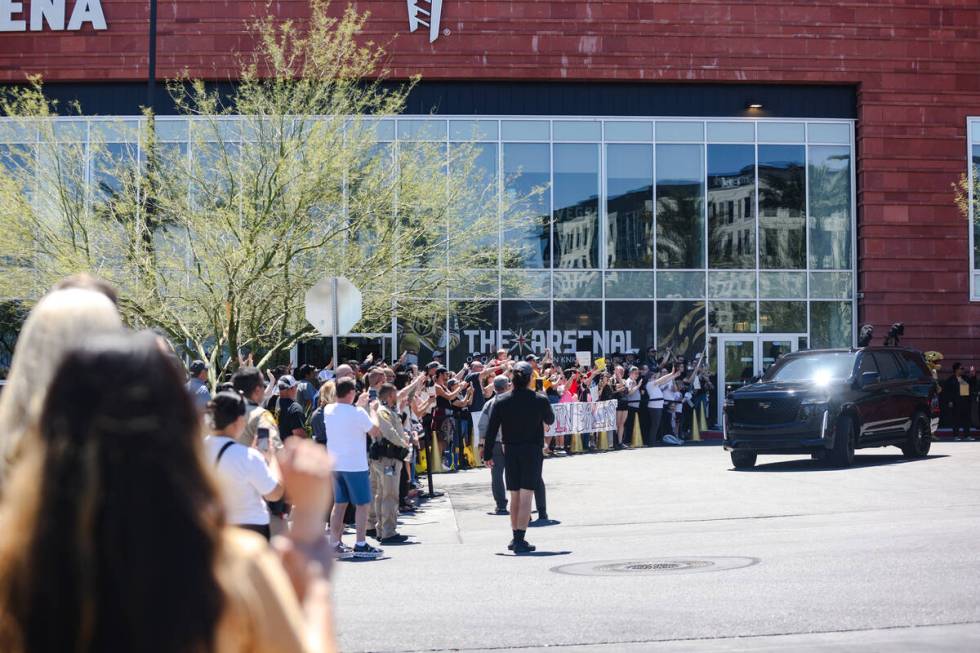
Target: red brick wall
{"points": [[915, 63]]}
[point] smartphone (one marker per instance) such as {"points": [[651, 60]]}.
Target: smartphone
{"points": [[372, 394], [263, 439], [539, 385]]}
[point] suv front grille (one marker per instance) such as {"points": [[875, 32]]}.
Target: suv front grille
{"points": [[766, 412]]}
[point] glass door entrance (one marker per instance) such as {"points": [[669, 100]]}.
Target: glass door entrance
{"points": [[742, 359]]}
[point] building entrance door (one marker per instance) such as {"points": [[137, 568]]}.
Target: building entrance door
{"points": [[744, 358]]}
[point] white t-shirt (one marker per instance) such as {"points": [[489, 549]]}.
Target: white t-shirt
{"points": [[244, 478], [347, 428], [656, 394]]}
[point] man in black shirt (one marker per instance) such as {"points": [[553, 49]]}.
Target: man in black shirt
{"points": [[292, 419], [520, 415]]}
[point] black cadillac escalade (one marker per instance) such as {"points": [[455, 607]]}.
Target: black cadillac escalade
{"points": [[827, 403]]}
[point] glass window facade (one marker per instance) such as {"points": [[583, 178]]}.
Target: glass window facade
{"points": [[623, 232], [972, 197]]}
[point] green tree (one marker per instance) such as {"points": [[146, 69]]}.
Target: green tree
{"points": [[214, 235]]}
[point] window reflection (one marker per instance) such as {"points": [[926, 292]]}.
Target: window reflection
{"points": [[976, 214], [680, 206], [782, 207], [830, 207], [831, 324], [575, 323], [681, 327], [782, 317], [731, 206], [524, 326], [472, 330], [629, 207], [576, 206], [478, 227], [630, 326], [732, 317], [527, 175]]}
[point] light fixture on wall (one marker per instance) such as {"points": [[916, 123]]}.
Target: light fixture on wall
{"points": [[752, 104]]}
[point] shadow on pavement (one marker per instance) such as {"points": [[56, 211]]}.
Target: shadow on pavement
{"points": [[535, 554], [538, 523], [809, 465]]}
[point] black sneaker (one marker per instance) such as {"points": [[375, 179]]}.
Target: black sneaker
{"points": [[510, 547], [342, 551], [543, 516], [367, 552], [523, 547], [501, 511], [397, 538], [371, 532]]}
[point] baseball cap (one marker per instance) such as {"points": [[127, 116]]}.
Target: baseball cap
{"points": [[524, 370], [286, 382], [531, 357], [197, 367], [431, 366], [500, 383]]}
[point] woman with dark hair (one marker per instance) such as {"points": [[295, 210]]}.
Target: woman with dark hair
{"points": [[248, 476], [113, 537]]}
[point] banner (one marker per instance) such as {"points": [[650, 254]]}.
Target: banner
{"points": [[583, 417]]}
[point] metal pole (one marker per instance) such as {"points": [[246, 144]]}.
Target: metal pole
{"points": [[336, 321], [151, 75]]}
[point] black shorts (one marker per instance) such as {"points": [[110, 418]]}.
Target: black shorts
{"points": [[522, 466]]}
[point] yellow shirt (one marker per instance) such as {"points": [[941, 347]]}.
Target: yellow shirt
{"points": [[964, 388]]}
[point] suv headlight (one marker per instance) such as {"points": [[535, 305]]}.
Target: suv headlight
{"points": [[812, 407]]}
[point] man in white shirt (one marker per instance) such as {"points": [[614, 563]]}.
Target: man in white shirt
{"points": [[348, 426], [655, 385]]}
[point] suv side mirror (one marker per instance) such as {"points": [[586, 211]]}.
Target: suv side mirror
{"points": [[869, 378]]}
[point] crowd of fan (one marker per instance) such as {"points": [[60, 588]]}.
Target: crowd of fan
{"points": [[122, 471], [376, 419]]}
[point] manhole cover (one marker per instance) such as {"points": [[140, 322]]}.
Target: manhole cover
{"points": [[654, 567]]}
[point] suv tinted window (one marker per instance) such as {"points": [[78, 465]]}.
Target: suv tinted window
{"points": [[915, 366], [889, 366], [867, 364]]}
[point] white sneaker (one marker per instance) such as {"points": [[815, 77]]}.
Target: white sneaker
{"points": [[671, 439]]}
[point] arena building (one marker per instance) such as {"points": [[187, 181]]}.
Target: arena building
{"points": [[755, 177]]}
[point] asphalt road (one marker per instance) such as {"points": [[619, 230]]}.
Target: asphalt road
{"points": [[695, 557]]}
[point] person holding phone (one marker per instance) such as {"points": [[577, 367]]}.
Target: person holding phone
{"points": [[248, 477]]}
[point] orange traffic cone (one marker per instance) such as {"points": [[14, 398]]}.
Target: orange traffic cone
{"points": [[695, 427], [576, 443]]}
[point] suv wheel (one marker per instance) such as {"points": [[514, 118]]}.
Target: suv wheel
{"points": [[920, 438], [743, 459], [842, 455]]}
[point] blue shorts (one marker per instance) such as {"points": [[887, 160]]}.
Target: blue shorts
{"points": [[352, 487]]}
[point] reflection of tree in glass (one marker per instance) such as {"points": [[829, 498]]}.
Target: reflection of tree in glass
{"points": [[679, 225], [830, 208], [782, 204]]}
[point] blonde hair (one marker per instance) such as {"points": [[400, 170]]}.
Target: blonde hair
{"points": [[59, 322], [328, 393]]}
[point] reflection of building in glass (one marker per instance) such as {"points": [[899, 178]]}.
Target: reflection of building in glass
{"points": [[730, 213], [576, 234], [630, 237], [830, 208], [782, 243]]}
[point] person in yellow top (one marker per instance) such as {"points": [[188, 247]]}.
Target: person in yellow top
{"points": [[114, 535]]}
